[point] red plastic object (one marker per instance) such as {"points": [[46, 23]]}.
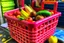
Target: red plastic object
{"points": [[21, 3], [43, 3], [35, 32]]}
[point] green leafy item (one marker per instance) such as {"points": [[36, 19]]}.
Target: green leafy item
{"points": [[21, 18]]}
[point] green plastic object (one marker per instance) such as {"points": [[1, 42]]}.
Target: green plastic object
{"points": [[8, 8], [7, 0], [21, 18], [8, 4], [44, 13]]}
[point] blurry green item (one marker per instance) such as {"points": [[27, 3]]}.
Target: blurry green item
{"points": [[7, 0], [44, 13], [20, 18], [4, 12], [8, 4], [53, 39], [8, 8]]}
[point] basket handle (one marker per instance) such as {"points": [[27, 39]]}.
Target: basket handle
{"points": [[50, 2], [47, 2], [21, 3]]}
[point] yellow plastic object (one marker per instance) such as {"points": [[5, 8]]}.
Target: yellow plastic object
{"points": [[37, 3], [28, 9], [32, 9], [53, 39], [3, 39], [1, 35], [24, 14], [7, 40], [18, 16]]}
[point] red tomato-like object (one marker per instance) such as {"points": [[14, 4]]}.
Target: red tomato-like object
{"points": [[29, 19]]}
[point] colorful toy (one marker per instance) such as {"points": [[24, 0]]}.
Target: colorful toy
{"points": [[20, 18], [59, 33], [28, 9], [53, 39], [32, 14], [29, 19], [32, 32], [24, 14], [44, 13], [52, 12], [39, 17]]}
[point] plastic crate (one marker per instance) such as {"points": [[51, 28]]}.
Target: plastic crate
{"points": [[36, 32]]}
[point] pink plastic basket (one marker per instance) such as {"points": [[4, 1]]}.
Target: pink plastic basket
{"points": [[36, 32]]}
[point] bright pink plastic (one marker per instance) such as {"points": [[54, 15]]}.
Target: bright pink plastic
{"points": [[36, 32]]}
